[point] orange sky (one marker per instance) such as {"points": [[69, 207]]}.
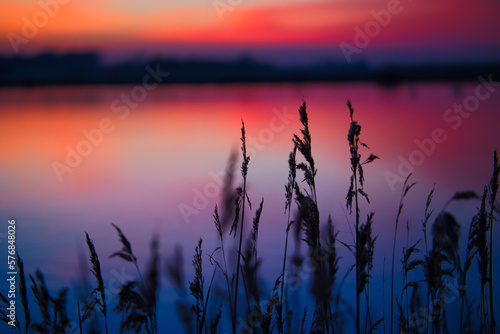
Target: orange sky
{"points": [[129, 25]]}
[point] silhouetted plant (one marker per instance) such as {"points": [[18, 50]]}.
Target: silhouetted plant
{"points": [[213, 261], [98, 295], [215, 321], [240, 201], [267, 316], [251, 264], [255, 232], [355, 188], [304, 146], [404, 191], [42, 300], [308, 218], [443, 260], [23, 293], [366, 250], [137, 299], [427, 216], [151, 285], [289, 190], [409, 265], [480, 242], [58, 322], [175, 271], [493, 190], [302, 327], [196, 287], [332, 264], [61, 321], [126, 251], [445, 234]]}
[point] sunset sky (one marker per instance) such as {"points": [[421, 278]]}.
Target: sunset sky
{"points": [[422, 30]]}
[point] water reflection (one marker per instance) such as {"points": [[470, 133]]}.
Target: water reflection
{"points": [[145, 170]]}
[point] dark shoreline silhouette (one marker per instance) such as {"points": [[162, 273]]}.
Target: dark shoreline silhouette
{"points": [[87, 69]]}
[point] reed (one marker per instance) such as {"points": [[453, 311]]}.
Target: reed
{"points": [[427, 216], [240, 201], [196, 287], [409, 265], [61, 321], [23, 293], [213, 261], [98, 295], [404, 191], [289, 191], [443, 260], [366, 249], [137, 299], [333, 268], [52, 310], [471, 253], [215, 321], [175, 272], [201, 307], [42, 299], [308, 221], [493, 190], [303, 145], [126, 252], [356, 190]]}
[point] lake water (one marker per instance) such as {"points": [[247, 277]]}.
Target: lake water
{"points": [[76, 159]]}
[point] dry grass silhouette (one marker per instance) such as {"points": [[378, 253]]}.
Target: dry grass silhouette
{"points": [[214, 303]]}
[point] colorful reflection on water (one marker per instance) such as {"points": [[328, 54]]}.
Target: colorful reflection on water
{"points": [[74, 160]]}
